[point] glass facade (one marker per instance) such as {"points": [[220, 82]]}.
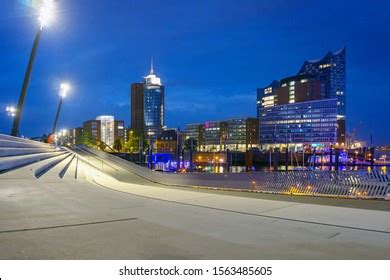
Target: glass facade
{"points": [[331, 70], [241, 135], [321, 83], [312, 122], [236, 139], [153, 105], [196, 131], [267, 97], [107, 129], [215, 134]]}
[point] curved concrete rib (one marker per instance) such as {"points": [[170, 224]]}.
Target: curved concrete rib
{"points": [[11, 163], [8, 151], [45, 168]]}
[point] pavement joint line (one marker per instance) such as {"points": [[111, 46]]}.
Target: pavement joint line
{"points": [[334, 235], [279, 208], [68, 225], [250, 214]]}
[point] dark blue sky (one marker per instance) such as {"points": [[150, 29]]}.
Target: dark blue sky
{"points": [[211, 56]]}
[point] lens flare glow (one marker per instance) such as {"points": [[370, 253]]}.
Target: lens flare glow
{"points": [[64, 89], [11, 111], [46, 12]]}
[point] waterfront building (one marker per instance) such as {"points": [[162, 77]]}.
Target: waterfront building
{"points": [[289, 90], [298, 124], [242, 134], [215, 134], [331, 71], [196, 132], [237, 134], [316, 81]]}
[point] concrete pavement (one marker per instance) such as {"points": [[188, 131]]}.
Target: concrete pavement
{"points": [[101, 218], [56, 205]]}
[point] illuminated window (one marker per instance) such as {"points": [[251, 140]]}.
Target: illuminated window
{"points": [[268, 90]]}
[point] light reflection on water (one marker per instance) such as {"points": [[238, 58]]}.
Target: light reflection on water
{"points": [[382, 169]]}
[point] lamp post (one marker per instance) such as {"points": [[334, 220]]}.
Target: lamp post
{"points": [[46, 14], [64, 89], [150, 159]]}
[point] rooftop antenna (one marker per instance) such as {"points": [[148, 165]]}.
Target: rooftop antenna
{"points": [[151, 66]]}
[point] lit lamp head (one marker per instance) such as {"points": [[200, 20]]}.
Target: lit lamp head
{"points": [[11, 111], [46, 12], [64, 89]]}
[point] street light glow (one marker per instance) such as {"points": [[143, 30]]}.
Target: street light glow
{"points": [[64, 89], [46, 12], [11, 111]]}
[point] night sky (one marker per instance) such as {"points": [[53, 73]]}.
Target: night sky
{"points": [[211, 56]]}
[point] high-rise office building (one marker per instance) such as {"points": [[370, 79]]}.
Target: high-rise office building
{"points": [[153, 105], [137, 107], [147, 106], [306, 108]]}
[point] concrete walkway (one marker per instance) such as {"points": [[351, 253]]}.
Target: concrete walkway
{"points": [[98, 217]]}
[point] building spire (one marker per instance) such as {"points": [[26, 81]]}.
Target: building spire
{"points": [[151, 66]]}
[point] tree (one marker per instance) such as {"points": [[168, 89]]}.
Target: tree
{"points": [[132, 144], [118, 144], [87, 139], [191, 145]]}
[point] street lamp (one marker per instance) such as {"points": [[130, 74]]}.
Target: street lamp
{"points": [[46, 15], [64, 89]]}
